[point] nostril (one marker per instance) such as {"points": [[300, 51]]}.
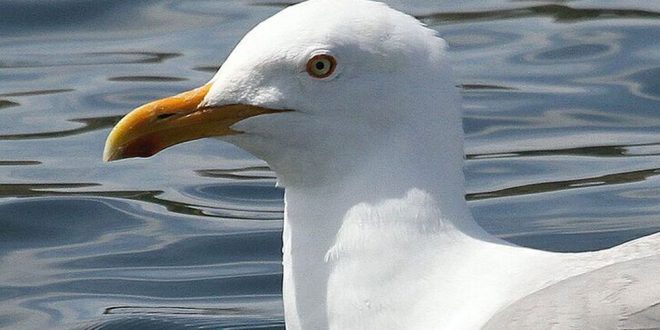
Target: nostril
{"points": [[165, 116]]}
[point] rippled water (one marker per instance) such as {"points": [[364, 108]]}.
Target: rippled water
{"points": [[561, 115]]}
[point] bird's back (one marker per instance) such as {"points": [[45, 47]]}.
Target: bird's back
{"points": [[623, 294]]}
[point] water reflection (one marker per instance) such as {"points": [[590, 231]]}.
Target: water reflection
{"points": [[247, 173], [89, 125], [19, 162], [175, 318], [38, 189], [37, 92], [208, 250], [644, 83], [207, 68], [79, 59], [90, 254], [479, 87], [559, 13], [609, 179], [575, 52], [72, 225], [595, 151], [560, 118], [246, 201], [146, 78], [137, 317], [7, 104]]}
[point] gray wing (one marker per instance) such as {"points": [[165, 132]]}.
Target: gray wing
{"points": [[625, 295]]}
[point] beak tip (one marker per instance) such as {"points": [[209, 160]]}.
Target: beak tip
{"points": [[109, 156], [114, 149], [110, 150]]}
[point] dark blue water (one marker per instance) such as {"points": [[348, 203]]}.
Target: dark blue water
{"points": [[562, 115]]}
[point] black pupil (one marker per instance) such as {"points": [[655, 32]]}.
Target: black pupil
{"points": [[320, 65]]}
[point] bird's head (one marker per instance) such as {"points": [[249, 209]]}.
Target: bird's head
{"points": [[320, 81]]}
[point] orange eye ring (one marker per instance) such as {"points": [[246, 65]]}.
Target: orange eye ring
{"points": [[321, 66]]}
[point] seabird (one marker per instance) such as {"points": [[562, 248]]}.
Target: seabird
{"points": [[354, 106]]}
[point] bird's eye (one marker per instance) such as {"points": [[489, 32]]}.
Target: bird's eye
{"points": [[321, 66]]}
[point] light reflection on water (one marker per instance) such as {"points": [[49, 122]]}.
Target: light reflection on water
{"points": [[561, 103]]}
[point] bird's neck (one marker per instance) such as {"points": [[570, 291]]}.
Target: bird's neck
{"points": [[358, 213]]}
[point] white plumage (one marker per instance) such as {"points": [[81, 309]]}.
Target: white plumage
{"points": [[377, 233]]}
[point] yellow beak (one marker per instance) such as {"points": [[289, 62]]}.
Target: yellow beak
{"points": [[163, 123]]}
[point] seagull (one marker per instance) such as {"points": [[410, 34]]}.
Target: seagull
{"points": [[354, 106]]}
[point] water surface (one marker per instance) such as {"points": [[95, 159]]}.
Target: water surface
{"points": [[561, 103]]}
